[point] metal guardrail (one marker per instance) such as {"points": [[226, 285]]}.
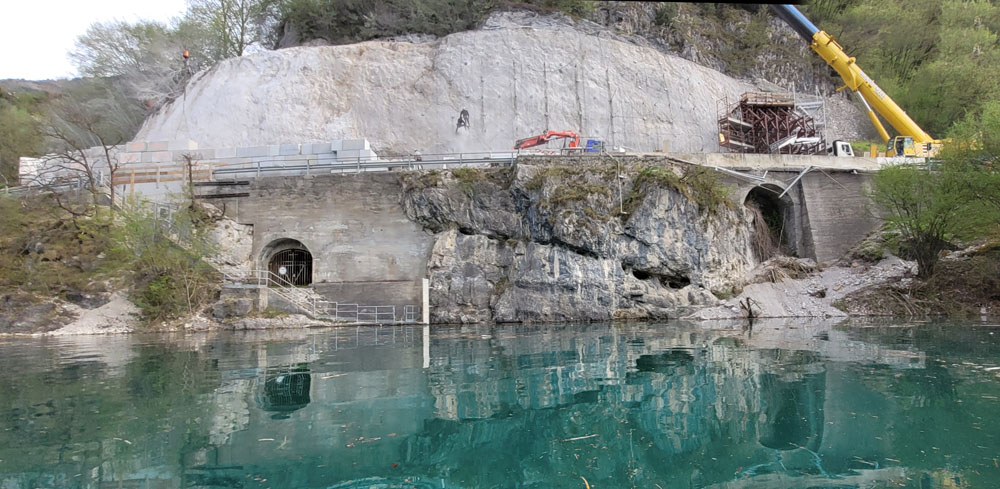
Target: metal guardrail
{"points": [[360, 164]]}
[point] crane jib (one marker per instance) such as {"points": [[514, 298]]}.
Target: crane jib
{"points": [[796, 20]]}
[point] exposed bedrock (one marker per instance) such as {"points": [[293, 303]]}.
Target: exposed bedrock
{"points": [[514, 81], [589, 239]]}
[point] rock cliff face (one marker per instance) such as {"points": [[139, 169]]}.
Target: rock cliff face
{"points": [[516, 77], [592, 239]]}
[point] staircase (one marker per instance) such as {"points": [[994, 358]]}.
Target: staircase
{"points": [[305, 299]]}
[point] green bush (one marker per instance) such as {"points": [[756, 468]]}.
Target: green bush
{"points": [[665, 15], [347, 21], [170, 281]]}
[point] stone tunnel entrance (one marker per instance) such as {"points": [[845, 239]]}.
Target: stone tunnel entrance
{"points": [[772, 233], [290, 260]]}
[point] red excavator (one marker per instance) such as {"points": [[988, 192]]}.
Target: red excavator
{"points": [[574, 139]]}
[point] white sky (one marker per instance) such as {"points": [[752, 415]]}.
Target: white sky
{"points": [[37, 35]]}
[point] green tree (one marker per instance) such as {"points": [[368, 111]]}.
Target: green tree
{"points": [[975, 151], [230, 28], [924, 206], [20, 134], [171, 280]]}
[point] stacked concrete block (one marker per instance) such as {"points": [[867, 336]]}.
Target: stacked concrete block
{"points": [[251, 152], [223, 153], [315, 148], [355, 154], [352, 144], [184, 145]]}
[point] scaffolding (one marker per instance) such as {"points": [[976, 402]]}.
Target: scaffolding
{"points": [[772, 123]]}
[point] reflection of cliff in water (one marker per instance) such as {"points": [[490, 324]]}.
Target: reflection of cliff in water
{"points": [[526, 405], [793, 411], [285, 390]]}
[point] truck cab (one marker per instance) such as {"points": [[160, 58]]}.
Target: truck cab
{"points": [[841, 149], [905, 146]]}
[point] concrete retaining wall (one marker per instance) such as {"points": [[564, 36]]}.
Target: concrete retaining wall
{"points": [[365, 250], [838, 211]]}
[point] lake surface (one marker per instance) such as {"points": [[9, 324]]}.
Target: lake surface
{"points": [[787, 404]]}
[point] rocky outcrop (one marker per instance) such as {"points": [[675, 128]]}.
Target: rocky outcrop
{"points": [[594, 238]]}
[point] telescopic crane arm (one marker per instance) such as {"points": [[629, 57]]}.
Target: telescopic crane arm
{"points": [[873, 97]]}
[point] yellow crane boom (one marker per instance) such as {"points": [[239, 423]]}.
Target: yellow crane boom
{"points": [[912, 141]]}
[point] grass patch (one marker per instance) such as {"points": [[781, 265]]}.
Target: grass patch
{"points": [[700, 185], [47, 252], [573, 192], [271, 313], [471, 180], [727, 293]]}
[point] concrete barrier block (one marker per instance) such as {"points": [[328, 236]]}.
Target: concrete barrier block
{"points": [[147, 157], [251, 152], [337, 145], [349, 154], [204, 154], [225, 152], [178, 155], [351, 144], [126, 158], [162, 156], [135, 146], [288, 149], [158, 146], [316, 148], [186, 144], [273, 149]]}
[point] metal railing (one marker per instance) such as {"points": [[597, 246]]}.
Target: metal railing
{"points": [[410, 314], [314, 164], [316, 307]]}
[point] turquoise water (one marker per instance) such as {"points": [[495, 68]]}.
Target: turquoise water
{"points": [[786, 405]]}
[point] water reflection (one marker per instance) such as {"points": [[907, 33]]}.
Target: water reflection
{"points": [[285, 390], [795, 405]]}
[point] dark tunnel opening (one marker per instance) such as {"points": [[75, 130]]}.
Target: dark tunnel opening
{"points": [[770, 214]]}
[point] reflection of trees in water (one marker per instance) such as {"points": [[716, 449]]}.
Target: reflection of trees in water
{"points": [[285, 390]]}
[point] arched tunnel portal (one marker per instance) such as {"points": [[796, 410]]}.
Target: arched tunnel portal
{"points": [[773, 221], [289, 259]]}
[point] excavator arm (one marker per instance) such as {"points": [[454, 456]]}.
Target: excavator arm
{"points": [[873, 97], [574, 139]]}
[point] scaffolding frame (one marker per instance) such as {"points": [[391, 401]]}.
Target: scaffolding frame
{"points": [[772, 123]]}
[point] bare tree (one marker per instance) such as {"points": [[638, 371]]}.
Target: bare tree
{"points": [[146, 58], [85, 131]]}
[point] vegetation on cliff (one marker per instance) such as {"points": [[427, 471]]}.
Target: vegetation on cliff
{"points": [[52, 256], [341, 22]]}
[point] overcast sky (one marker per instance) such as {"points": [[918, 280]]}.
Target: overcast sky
{"points": [[36, 35]]}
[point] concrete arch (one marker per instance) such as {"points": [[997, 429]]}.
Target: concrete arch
{"points": [[290, 259]]}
